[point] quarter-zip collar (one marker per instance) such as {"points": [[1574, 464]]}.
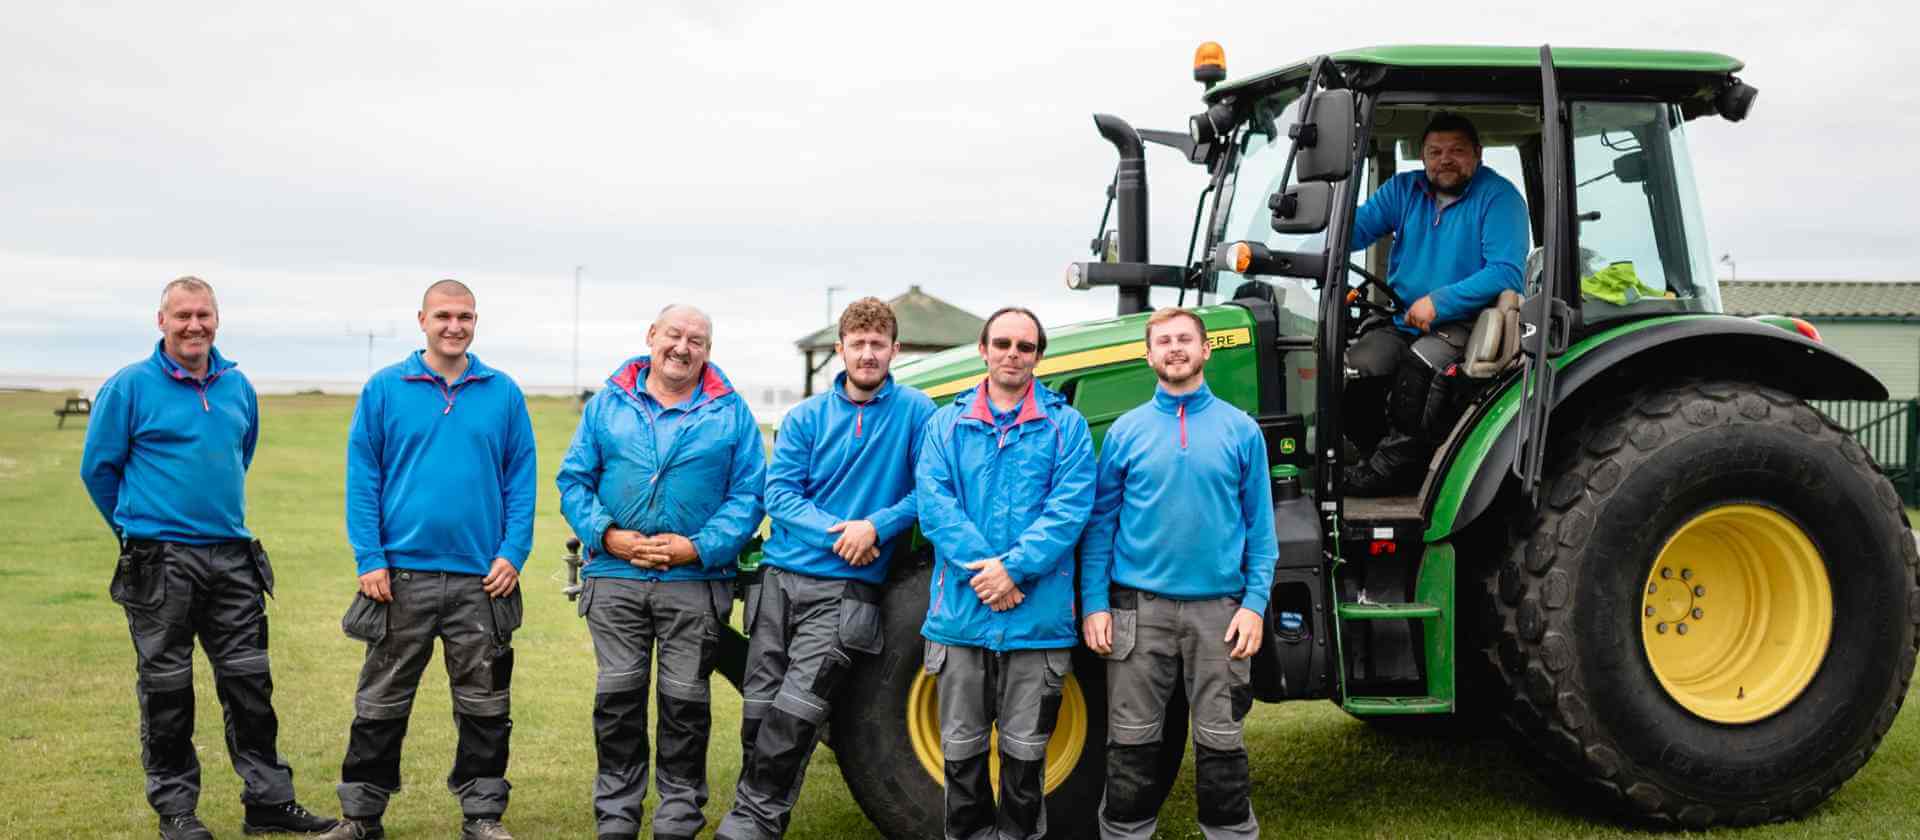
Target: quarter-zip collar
{"points": [[216, 365], [860, 407], [1426, 189], [628, 378], [1181, 405], [976, 406], [417, 371]]}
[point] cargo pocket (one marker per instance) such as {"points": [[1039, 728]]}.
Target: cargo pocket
{"points": [[366, 620], [507, 614], [721, 591], [860, 618], [752, 601], [936, 657], [1126, 631], [262, 565], [1241, 692], [1059, 664], [586, 596], [139, 578]]}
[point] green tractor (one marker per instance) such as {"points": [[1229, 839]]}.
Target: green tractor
{"points": [[1675, 581]]}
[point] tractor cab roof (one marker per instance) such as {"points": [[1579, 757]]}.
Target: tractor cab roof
{"points": [[1690, 78]]}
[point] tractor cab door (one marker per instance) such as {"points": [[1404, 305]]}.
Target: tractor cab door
{"points": [[1553, 295]]}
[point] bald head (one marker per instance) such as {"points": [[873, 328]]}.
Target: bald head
{"points": [[449, 288], [679, 311]]}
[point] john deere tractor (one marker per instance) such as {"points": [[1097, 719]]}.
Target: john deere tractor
{"points": [[1675, 581]]}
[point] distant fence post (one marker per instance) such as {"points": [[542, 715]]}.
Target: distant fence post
{"points": [[1911, 492]]}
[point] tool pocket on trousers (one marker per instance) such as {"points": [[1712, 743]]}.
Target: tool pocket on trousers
{"points": [[503, 669], [366, 620], [586, 595], [721, 591], [1126, 631], [1241, 692], [139, 578], [262, 565], [860, 618], [507, 613], [752, 603], [936, 657]]}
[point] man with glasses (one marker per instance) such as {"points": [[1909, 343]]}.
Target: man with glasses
{"points": [[1005, 483]]}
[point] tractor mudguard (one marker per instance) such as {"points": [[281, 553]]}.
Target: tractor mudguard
{"points": [[1481, 453]]}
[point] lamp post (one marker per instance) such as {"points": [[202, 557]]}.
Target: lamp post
{"points": [[1733, 269], [576, 330]]}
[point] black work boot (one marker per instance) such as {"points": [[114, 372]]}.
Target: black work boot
{"points": [[355, 828], [1364, 481], [183, 827], [484, 828], [284, 818]]}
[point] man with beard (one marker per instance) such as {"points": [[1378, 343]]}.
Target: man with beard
{"points": [[440, 489], [840, 493], [166, 458], [1460, 237], [1174, 576], [662, 486], [1004, 483]]}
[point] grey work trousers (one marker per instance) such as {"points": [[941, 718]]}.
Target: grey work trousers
{"points": [[627, 619], [1020, 691], [1161, 643], [477, 631], [805, 632], [173, 593]]}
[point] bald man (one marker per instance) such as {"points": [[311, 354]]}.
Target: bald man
{"points": [[440, 491], [662, 485]]}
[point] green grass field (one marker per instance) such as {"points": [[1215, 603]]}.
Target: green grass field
{"points": [[70, 726]]}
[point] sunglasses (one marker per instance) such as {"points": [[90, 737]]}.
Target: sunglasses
{"points": [[1026, 347]]}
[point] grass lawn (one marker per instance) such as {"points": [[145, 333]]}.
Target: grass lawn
{"points": [[70, 726]]}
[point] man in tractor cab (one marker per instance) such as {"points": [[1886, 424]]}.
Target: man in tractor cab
{"points": [[840, 493], [1460, 236], [1175, 571], [1004, 484], [662, 486]]}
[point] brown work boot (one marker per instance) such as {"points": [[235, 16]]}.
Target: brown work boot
{"points": [[483, 828], [355, 828]]}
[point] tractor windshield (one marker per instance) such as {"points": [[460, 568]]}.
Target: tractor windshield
{"points": [[1642, 239], [1260, 154]]}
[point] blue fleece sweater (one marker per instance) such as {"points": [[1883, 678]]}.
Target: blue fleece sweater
{"points": [[166, 455], [1182, 507], [1463, 255], [704, 483], [838, 460], [440, 477]]}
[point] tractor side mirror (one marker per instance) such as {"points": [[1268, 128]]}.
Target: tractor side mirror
{"points": [[1326, 142], [1303, 208], [1631, 168]]}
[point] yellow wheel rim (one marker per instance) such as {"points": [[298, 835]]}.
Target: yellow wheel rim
{"points": [[1063, 749], [1737, 614]]}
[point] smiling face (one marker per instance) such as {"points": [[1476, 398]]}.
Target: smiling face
{"points": [[1450, 158], [1177, 350], [188, 319], [868, 355], [1011, 350], [447, 319], [679, 343]]}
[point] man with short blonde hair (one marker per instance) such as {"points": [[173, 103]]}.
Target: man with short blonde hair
{"points": [[166, 458]]}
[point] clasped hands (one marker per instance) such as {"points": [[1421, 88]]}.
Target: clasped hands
{"points": [[659, 552], [993, 586]]}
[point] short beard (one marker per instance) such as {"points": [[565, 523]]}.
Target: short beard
{"points": [[1450, 192]]}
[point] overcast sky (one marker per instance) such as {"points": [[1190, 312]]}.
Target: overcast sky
{"points": [[321, 165]]}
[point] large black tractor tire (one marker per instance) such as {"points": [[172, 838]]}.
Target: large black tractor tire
{"points": [[886, 738], [1769, 519]]}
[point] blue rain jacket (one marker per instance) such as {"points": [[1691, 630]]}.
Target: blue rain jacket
{"points": [[440, 477], [166, 455], [1463, 255], [1019, 492], [1183, 506], [837, 460], [704, 484]]}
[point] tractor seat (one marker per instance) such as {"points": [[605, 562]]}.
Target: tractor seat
{"points": [[1495, 341]]}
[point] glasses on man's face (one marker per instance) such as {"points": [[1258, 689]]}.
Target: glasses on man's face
{"points": [[1026, 347]]}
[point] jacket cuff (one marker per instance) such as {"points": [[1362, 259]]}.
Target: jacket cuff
{"points": [[370, 561], [1256, 601], [514, 556], [1093, 602]]}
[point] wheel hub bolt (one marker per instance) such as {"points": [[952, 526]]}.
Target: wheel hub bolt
{"points": [[1697, 612], [1681, 629], [1652, 588], [1649, 612], [1660, 628], [1699, 592], [1666, 574], [1686, 574]]}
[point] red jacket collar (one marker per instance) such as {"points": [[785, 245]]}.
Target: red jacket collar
{"points": [[982, 408], [712, 385]]}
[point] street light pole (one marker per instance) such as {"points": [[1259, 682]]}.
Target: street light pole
{"points": [[830, 291], [576, 330]]}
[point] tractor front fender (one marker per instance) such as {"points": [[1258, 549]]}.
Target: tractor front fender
{"points": [[1479, 454]]}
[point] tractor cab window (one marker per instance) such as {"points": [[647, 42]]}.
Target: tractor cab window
{"points": [[1642, 243], [1260, 155]]}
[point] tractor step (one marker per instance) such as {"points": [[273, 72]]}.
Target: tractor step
{"points": [[1387, 612], [1383, 706]]}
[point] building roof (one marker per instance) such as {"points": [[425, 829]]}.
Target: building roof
{"points": [[1822, 298], [926, 323]]}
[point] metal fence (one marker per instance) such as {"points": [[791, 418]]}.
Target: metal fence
{"points": [[1891, 432]]}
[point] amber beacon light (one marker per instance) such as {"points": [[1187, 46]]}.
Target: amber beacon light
{"points": [[1210, 64]]}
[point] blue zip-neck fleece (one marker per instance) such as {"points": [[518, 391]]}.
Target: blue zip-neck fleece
{"points": [[703, 481], [1463, 255], [837, 460], [167, 454], [440, 475], [1182, 506]]}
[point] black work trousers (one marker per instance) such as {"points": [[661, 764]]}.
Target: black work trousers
{"points": [[1403, 393], [174, 593]]}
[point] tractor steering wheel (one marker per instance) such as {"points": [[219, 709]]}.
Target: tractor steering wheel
{"points": [[1355, 298]]}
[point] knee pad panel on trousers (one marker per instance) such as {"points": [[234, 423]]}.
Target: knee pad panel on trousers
{"points": [[1023, 798], [1221, 785], [969, 796], [620, 728], [1133, 789], [781, 749], [684, 727]]}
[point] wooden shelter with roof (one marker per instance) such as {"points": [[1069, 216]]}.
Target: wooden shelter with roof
{"points": [[927, 325], [1875, 323]]}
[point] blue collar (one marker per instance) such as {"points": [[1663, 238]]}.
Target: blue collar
{"points": [[416, 368], [216, 364], [1193, 402], [840, 389]]}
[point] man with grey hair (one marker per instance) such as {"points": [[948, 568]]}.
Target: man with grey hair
{"points": [[166, 458], [662, 485]]}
